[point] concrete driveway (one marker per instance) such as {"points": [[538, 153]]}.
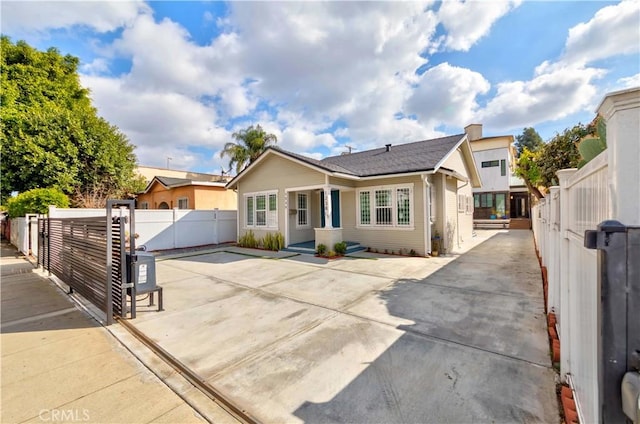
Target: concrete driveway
{"points": [[371, 339]]}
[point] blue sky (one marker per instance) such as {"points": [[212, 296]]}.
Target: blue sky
{"points": [[178, 78]]}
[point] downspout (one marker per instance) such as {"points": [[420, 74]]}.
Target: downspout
{"points": [[445, 242], [426, 186], [458, 214], [240, 203]]}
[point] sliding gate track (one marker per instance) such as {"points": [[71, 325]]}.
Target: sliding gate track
{"points": [[228, 405]]}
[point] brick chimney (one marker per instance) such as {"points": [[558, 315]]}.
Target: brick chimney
{"points": [[473, 131]]}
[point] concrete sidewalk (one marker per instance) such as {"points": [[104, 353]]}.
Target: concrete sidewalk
{"points": [[60, 365]]}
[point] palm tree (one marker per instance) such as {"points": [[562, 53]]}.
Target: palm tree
{"points": [[250, 143]]}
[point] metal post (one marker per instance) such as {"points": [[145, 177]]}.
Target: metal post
{"points": [[109, 294], [616, 341], [49, 244]]}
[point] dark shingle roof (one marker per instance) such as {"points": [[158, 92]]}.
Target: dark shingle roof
{"points": [[169, 181], [411, 157], [319, 163]]}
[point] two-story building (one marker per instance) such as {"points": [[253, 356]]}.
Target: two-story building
{"points": [[503, 200]]}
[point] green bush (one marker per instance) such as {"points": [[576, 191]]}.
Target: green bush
{"points": [[340, 248], [248, 240], [267, 242], [36, 201], [273, 241], [331, 254], [321, 249], [279, 240]]}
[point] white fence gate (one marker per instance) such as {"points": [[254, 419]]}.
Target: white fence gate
{"points": [[161, 229], [24, 234], [608, 187]]}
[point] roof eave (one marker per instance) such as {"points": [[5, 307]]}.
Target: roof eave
{"points": [[270, 150]]}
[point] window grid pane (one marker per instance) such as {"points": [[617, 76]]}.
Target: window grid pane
{"points": [[302, 210], [273, 210], [249, 210], [384, 210], [403, 200], [261, 212], [365, 208]]}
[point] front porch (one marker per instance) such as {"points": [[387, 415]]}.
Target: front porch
{"points": [[309, 247]]}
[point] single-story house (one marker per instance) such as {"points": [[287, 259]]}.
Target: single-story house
{"points": [[185, 193], [389, 198]]}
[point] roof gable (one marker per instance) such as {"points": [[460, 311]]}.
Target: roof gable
{"points": [[170, 182], [419, 156]]}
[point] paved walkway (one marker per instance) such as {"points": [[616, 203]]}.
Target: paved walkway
{"points": [[59, 365]]}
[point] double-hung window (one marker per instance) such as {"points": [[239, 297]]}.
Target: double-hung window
{"points": [[386, 206], [183, 203], [261, 210]]}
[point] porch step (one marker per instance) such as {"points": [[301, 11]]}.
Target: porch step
{"points": [[520, 224], [306, 248]]}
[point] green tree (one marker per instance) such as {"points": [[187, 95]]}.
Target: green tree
{"points": [[527, 168], [36, 201], [250, 143], [561, 152], [51, 135], [529, 139]]}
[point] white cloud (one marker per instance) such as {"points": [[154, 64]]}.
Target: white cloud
{"points": [[447, 94], [556, 91], [325, 58], [156, 120], [467, 22], [630, 82], [614, 30], [98, 65], [101, 16]]}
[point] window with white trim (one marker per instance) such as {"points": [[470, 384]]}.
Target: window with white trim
{"points": [[365, 208], [261, 210], [386, 206], [144, 205], [461, 203], [303, 210], [183, 203], [469, 205]]}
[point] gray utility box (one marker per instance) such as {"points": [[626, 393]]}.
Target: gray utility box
{"points": [[145, 272]]}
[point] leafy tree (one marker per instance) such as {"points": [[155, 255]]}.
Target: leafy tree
{"points": [[36, 201], [561, 152], [250, 143], [527, 168], [529, 139], [51, 135]]}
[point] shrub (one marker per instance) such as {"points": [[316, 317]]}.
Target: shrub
{"points": [[321, 249], [279, 241], [413, 253], [267, 242], [248, 240], [36, 201], [331, 254], [340, 248]]}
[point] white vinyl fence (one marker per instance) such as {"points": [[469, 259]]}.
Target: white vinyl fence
{"points": [[24, 234], [161, 229], [608, 187]]}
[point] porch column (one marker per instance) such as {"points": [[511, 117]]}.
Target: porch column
{"points": [[328, 221]]}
